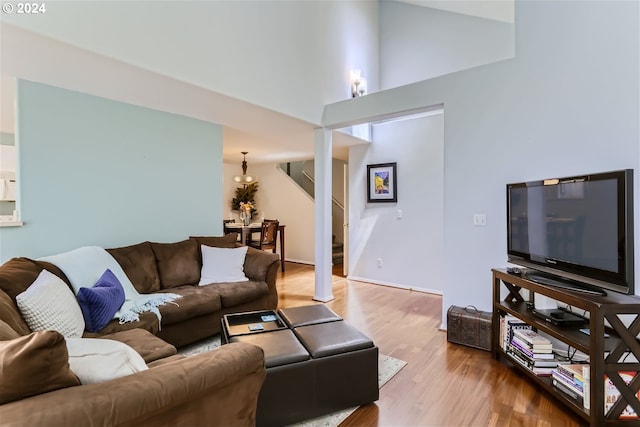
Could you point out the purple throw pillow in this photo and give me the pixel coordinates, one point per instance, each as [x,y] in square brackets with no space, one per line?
[100,302]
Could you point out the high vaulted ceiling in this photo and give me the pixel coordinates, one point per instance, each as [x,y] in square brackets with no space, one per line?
[262,69]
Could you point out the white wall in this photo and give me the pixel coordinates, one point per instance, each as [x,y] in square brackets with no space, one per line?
[268,53]
[418,43]
[337,192]
[97,172]
[568,103]
[411,248]
[280,198]
[501,10]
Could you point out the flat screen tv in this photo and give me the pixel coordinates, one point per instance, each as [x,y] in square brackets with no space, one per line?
[574,232]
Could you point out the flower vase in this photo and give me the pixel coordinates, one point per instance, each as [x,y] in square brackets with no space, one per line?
[246,218]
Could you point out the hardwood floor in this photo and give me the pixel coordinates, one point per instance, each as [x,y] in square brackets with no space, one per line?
[443,384]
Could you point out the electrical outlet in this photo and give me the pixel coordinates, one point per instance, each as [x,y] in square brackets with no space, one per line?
[379,262]
[479,219]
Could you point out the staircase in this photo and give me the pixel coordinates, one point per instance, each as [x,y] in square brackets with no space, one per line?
[301,173]
[337,253]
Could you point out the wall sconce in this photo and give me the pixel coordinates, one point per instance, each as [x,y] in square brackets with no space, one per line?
[244,179]
[358,84]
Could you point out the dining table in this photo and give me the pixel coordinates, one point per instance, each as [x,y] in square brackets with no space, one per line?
[245,232]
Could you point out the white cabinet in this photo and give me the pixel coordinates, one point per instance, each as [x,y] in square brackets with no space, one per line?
[8,209]
[7,173]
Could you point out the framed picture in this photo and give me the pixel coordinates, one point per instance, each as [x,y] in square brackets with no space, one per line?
[382,183]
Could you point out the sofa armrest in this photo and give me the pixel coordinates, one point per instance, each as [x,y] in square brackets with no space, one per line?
[263,266]
[257,264]
[216,388]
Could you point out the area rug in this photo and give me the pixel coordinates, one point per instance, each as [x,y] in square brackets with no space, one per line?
[388,367]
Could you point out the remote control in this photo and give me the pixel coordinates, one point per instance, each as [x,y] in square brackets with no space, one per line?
[514,270]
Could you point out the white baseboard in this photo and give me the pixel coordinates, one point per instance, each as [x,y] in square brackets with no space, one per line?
[394,285]
[299,261]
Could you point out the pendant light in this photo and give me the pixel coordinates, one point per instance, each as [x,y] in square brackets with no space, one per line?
[244,179]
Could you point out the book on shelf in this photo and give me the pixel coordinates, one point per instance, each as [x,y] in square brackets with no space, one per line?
[573,379]
[532,337]
[508,324]
[612,394]
[573,371]
[541,371]
[542,363]
[566,389]
[533,352]
[531,361]
[569,382]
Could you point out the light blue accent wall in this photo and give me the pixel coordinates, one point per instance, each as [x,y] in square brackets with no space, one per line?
[98,172]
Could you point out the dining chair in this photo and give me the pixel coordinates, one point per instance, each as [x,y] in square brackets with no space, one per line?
[255,234]
[226,230]
[268,234]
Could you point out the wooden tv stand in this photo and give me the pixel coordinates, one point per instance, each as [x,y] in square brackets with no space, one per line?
[511,295]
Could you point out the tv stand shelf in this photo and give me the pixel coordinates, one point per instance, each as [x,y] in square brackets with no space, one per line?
[616,314]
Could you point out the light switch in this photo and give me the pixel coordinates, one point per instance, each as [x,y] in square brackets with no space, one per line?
[399,214]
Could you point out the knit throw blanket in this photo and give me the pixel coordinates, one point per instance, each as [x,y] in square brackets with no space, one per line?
[84,266]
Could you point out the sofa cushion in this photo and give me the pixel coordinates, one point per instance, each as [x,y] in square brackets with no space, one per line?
[148,321]
[7,332]
[178,263]
[196,301]
[97,360]
[49,304]
[162,362]
[100,302]
[232,294]
[147,345]
[220,265]
[139,264]
[226,241]
[34,364]
[17,274]
[10,314]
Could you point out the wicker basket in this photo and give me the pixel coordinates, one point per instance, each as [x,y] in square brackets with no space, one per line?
[469,326]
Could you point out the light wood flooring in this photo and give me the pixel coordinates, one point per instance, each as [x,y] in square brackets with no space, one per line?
[443,384]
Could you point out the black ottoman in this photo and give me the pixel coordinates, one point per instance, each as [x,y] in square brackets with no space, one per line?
[345,365]
[307,315]
[316,365]
[287,395]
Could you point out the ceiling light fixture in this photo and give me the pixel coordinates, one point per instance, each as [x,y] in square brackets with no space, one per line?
[358,84]
[244,179]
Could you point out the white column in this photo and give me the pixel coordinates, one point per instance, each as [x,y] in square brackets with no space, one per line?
[322,172]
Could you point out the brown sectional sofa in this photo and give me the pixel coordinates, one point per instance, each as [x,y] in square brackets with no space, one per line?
[215,388]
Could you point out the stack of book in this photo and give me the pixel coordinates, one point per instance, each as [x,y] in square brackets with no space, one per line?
[508,324]
[570,379]
[533,351]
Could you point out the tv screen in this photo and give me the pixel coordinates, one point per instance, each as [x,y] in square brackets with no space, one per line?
[577,228]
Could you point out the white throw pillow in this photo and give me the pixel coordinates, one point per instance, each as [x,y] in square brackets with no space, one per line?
[48,304]
[95,360]
[220,265]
